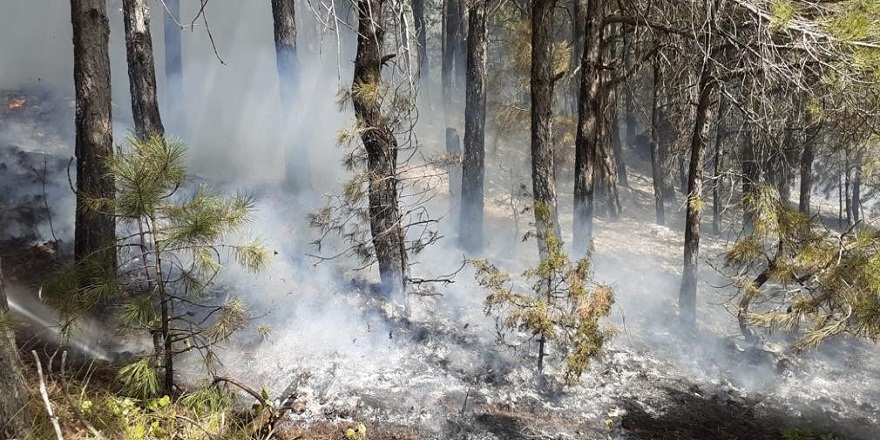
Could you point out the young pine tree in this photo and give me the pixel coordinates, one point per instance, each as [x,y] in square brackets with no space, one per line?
[562,309]
[173,244]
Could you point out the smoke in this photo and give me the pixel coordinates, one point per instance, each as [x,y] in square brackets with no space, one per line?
[325,318]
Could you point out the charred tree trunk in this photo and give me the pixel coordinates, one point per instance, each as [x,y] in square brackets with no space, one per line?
[543,167]
[687,296]
[473,168]
[657,159]
[298,173]
[173,68]
[15,420]
[95,236]
[589,114]
[381,147]
[141,69]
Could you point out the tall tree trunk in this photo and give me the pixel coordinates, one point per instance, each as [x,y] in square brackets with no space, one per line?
[381,147]
[473,168]
[141,69]
[616,141]
[717,164]
[418,8]
[543,168]
[687,296]
[608,157]
[578,26]
[628,98]
[298,173]
[589,120]
[453,150]
[751,173]
[15,419]
[811,135]
[95,236]
[806,165]
[452,33]
[856,205]
[657,159]
[174,98]
[460,51]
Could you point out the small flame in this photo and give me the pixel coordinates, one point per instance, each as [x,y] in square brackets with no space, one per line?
[17,103]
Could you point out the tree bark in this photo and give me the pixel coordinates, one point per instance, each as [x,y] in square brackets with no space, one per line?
[589,117]
[687,296]
[174,98]
[657,156]
[298,172]
[381,147]
[141,69]
[15,419]
[473,168]
[543,167]
[95,236]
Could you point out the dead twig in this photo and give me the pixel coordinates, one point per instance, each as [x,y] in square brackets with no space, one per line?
[45,393]
[76,411]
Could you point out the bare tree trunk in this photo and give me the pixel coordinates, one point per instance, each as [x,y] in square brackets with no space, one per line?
[473,168]
[141,69]
[687,296]
[657,159]
[95,236]
[543,168]
[15,420]
[589,118]
[174,98]
[298,173]
[381,147]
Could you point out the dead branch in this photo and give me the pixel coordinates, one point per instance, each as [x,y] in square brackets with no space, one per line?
[45,393]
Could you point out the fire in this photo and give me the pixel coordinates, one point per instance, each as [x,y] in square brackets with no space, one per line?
[17,103]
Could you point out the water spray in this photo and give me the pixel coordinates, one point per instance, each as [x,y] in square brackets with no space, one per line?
[54,328]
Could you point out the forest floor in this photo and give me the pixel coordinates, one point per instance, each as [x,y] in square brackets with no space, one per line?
[438,373]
